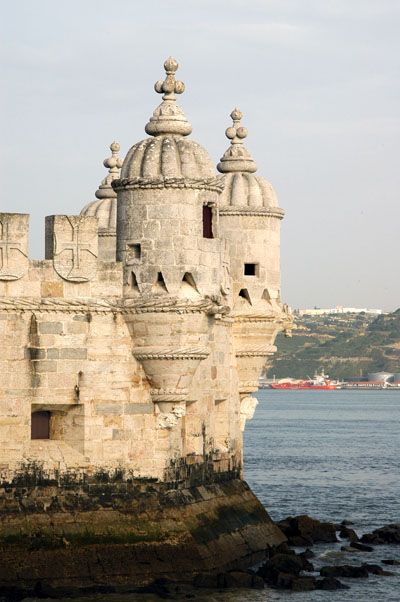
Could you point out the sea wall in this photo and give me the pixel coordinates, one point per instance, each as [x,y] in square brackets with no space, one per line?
[74,531]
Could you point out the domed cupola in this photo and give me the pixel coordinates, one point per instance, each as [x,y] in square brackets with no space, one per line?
[168,154]
[242,187]
[105,206]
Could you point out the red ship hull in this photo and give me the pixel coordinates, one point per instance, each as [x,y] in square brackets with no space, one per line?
[301,386]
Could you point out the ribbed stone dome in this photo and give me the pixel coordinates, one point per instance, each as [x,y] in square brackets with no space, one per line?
[244,189]
[106,212]
[167,156]
[168,153]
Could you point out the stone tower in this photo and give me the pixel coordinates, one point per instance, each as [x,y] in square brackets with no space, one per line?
[130,358]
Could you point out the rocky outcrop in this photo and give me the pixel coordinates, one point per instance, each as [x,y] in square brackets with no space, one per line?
[303,530]
[386,534]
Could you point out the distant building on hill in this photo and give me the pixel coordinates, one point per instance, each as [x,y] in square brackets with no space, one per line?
[317,311]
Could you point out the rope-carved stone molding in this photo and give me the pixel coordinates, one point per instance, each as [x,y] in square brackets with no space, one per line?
[209,306]
[245,385]
[168,395]
[107,232]
[171,354]
[247,211]
[261,352]
[276,317]
[212,184]
[57,305]
[169,305]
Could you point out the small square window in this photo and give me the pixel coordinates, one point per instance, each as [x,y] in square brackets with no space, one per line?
[250,269]
[133,252]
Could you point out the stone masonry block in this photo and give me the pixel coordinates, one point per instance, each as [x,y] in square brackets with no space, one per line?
[139,408]
[51,328]
[73,354]
[109,408]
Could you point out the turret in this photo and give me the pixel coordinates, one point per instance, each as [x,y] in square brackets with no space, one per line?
[166,240]
[105,206]
[250,222]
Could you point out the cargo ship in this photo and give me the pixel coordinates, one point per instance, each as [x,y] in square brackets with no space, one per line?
[319,382]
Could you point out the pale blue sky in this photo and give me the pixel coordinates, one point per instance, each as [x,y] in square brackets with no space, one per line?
[317,81]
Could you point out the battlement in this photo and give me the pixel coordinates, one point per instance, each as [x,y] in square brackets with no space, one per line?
[71,268]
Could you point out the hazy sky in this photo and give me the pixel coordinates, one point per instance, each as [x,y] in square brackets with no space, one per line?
[317,81]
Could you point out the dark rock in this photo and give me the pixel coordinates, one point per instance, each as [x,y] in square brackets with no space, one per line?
[307,554]
[304,584]
[304,530]
[346,523]
[286,563]
[346,549]
[350,534]
[243,579]
[283,548]
[371,538]
[391,562]
[299,541]
[344,570]
[375,569]
[330,584]
[208,581]
[232,579]
[386,534]
[284,580]
[361,546]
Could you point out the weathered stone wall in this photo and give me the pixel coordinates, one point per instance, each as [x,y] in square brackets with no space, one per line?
[76,532]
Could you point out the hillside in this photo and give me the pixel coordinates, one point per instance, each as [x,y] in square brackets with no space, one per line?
[343,346]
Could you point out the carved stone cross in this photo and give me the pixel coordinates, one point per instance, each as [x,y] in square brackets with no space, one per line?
[74,246]
[13,245]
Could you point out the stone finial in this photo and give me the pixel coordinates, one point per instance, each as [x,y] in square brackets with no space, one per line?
[168,118]
[170,86]
[114,164]
[236,157]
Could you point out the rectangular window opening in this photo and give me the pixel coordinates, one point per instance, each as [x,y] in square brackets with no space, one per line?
[250,269]
[40,425]
[207,222]
[134,251]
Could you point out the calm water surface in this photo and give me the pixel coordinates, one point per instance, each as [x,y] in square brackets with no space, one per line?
[333,455]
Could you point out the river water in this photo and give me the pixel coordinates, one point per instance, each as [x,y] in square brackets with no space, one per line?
[333,455]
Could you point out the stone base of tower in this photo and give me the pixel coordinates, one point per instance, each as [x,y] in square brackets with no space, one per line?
[127,534]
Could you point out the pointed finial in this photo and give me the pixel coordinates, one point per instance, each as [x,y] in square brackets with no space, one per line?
[168,118]
[114,164]
[236,157]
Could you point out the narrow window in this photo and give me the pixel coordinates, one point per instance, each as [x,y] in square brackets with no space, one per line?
[207,222]
[40,425]
[134,283]
[244,293]
[188,278]
[250,269]
[160,284]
